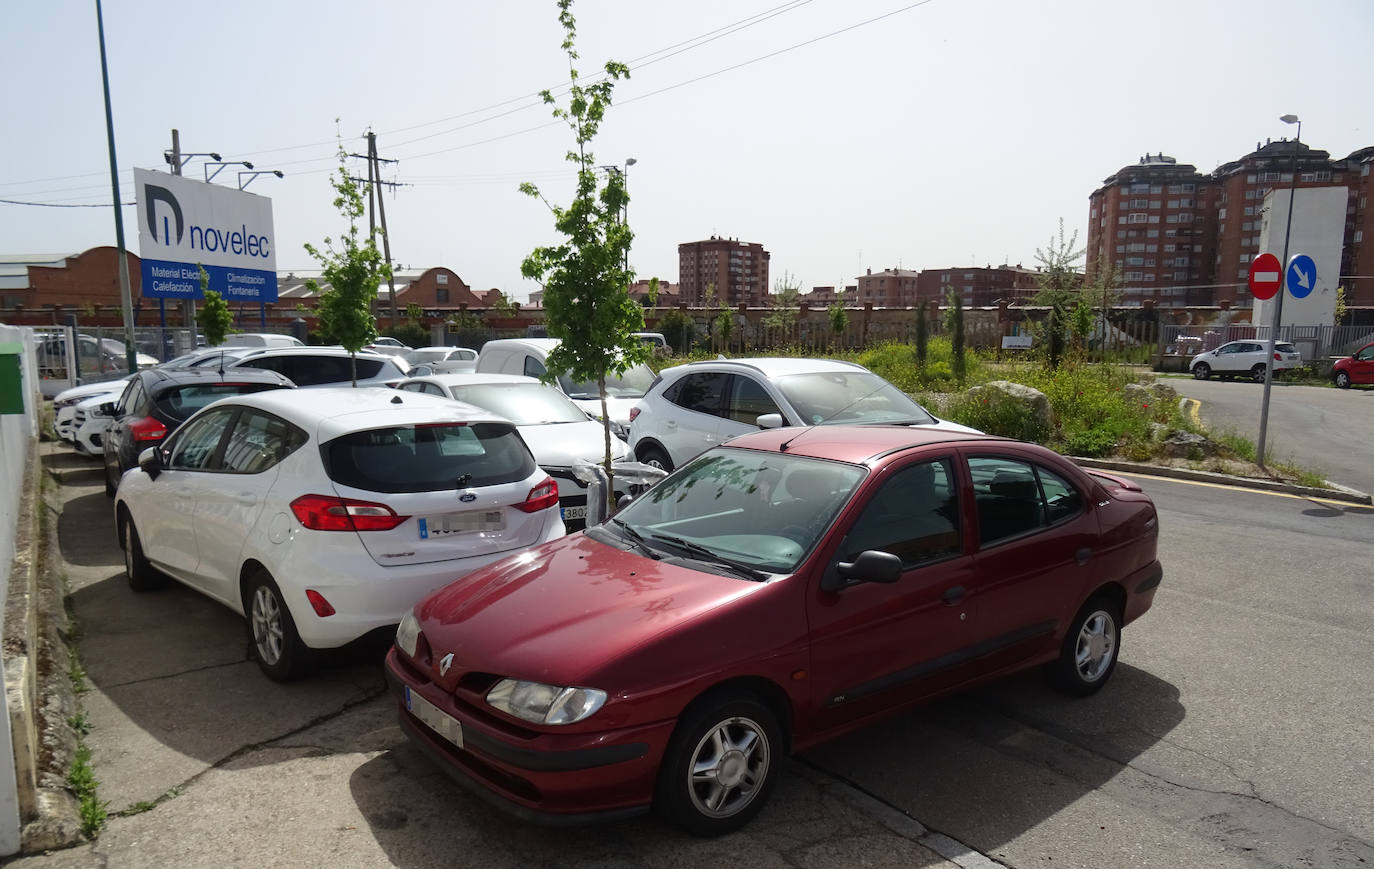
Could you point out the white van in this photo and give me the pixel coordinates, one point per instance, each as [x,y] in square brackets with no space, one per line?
[261,339]
[527,356]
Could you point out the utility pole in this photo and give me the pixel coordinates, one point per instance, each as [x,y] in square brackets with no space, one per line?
[377,207]
[188,307]
[125,293]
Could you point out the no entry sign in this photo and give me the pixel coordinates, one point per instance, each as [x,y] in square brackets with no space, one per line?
[1265,276]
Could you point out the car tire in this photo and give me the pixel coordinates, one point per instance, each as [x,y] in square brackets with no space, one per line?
[1091,649]
[1202,371]
[140,572]
[272,636]
[1257,373]
[720,765]
[1342,379]
[111,484]
[655,458]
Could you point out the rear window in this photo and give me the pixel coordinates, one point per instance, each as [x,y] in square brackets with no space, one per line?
[428,458]
[1285,347]
[182,401]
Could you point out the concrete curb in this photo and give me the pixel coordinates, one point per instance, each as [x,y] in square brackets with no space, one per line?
[1337,492]
[39,693]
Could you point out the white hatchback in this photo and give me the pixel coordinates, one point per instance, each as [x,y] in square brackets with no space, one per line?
[1244,359]
[325,514]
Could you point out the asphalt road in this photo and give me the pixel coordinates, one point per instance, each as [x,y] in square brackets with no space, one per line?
[1238,731]
[1316,427]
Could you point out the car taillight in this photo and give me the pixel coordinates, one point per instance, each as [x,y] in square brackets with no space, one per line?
[1278,358]
[330,513]
[541,497]
[323,608]
[634,412]
[147,429]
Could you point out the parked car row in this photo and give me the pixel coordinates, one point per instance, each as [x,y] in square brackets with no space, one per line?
[824,554]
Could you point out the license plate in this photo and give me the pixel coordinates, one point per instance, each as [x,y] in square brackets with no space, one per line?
[434,718]
[461,523]
[574,513]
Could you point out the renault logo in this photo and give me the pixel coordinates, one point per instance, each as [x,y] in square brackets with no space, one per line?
[444,663]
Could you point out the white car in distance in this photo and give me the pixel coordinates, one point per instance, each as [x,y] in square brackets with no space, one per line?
[557,430]
[322,515]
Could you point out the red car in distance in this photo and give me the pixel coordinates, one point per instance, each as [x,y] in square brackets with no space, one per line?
[778,591]
[1356,368]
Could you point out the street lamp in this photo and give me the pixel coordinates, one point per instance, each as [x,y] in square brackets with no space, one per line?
[625,218]
[252,175]
[1283,285]
[178,161]
[210,176]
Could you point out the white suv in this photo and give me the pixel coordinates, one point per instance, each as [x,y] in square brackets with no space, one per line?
[326,366]
[691,408]
[1244,358]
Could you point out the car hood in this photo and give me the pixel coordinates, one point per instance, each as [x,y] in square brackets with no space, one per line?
[561,612]
[559,445]
[618,408]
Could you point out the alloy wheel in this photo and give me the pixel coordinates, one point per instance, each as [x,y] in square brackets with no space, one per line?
[729,765]
[267,625]
[1096,646]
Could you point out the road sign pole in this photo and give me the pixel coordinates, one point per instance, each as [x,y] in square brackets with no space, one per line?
[1278,299]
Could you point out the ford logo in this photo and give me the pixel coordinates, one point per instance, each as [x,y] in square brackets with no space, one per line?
[467,497]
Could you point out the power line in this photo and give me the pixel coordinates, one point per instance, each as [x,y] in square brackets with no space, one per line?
[62,204]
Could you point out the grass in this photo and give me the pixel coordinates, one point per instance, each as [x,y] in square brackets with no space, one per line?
[81,779]
[79,723]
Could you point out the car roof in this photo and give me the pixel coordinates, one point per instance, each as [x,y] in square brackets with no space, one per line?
[474,378]
[159,378]
[545,344]
[329,350]
[331,411]
[770,366]
[856,444]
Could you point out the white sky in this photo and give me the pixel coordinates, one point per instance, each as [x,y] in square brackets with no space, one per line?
[954,132]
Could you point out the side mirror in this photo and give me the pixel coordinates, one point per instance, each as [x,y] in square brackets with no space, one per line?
[150,460]
[870,566]
[107,409]
[770,420]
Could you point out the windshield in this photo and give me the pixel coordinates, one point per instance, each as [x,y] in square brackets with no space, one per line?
[419,357]
[762,510]
[521,403]
[850,397]
[632,384]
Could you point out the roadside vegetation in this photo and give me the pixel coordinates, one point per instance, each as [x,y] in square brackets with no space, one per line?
[1098,410]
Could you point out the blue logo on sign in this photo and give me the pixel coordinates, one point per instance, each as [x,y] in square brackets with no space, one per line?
[1301,276]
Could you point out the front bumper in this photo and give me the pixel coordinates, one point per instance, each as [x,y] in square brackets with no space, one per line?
[558,779]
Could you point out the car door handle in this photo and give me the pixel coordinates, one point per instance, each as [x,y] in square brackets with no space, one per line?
[953,595]
[1083,555]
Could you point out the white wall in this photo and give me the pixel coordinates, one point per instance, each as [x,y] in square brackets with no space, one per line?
[16,430]
[1319,232]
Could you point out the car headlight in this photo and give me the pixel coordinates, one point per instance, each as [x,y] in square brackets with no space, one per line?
[545,704]
[408,633]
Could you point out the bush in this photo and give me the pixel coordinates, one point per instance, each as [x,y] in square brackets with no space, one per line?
[409,334]
[896,362]
[999,414]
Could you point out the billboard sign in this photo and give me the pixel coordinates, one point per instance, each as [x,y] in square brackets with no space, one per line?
[182,223]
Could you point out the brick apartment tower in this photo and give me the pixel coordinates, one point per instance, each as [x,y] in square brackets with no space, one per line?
[738,271]
[1185,238]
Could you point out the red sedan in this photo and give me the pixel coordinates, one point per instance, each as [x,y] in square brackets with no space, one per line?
[1356,368]
[774,593]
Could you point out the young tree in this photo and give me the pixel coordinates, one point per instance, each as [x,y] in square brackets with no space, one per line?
[353,270]
[922,335]
[214,318]
[1060,286]
[839,319]
[586,283]
[956,334]
[725,327]
[677,327]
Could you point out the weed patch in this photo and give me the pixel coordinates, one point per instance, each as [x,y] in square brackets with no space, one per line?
[81,779]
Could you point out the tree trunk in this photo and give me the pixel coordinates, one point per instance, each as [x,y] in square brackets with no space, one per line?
[606,430]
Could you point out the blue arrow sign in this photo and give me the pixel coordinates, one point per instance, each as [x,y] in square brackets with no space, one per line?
[1301,275]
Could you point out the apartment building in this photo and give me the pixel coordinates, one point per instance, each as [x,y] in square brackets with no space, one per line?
[736,271]
[977,287]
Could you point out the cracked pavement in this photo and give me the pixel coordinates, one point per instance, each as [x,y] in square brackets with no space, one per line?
[1220,741]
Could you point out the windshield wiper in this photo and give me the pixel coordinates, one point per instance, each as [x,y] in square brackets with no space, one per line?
[638,540]
[704,554]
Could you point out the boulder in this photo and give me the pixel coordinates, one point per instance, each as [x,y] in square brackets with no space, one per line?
[1036,400]
[1186,445]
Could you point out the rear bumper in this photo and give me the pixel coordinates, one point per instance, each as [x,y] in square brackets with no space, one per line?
[551,779]
[1140,590]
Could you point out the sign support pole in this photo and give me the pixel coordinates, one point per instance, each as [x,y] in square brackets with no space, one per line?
[1278,299]
[126,299]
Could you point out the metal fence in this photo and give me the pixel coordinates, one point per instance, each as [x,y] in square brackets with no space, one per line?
[1313,342]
